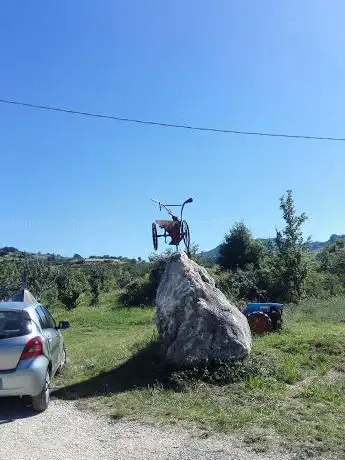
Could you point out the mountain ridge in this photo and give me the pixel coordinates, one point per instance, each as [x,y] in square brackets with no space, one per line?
[314,246]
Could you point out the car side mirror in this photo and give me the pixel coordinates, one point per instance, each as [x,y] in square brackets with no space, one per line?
[63,325]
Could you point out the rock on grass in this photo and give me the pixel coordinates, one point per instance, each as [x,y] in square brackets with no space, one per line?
[195,321]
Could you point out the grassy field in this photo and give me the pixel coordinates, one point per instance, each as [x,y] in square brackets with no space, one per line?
[290,392]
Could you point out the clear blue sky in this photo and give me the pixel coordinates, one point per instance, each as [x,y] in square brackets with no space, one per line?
[72,184]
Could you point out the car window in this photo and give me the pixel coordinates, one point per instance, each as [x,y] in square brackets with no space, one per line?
[42,317]
[14,324]
[50,320]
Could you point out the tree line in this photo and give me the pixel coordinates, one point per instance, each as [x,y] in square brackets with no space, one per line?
[66,285]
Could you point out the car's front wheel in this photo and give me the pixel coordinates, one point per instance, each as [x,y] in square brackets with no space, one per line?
[41,401]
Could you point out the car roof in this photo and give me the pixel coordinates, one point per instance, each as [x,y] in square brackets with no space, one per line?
[21,300]
[17,305]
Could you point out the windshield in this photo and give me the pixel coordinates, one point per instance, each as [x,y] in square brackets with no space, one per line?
[14,324]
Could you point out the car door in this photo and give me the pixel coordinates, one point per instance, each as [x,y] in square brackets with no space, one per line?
[52,334]
[57,339]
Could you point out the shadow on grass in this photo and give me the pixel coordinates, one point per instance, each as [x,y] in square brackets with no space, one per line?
[147,368]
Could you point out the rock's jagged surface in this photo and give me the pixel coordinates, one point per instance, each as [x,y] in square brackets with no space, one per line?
[195,321]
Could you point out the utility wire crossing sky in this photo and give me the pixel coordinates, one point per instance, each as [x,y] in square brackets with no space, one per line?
[170,125]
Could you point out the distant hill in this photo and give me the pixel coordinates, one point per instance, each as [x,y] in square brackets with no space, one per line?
[314,246]
[9,252]
[320,245]
[212,254]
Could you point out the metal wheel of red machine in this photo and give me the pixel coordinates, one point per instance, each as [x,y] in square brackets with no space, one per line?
[259,322]
[154,236]
[185,234]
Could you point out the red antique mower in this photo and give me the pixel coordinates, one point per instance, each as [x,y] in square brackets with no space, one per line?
[177,228]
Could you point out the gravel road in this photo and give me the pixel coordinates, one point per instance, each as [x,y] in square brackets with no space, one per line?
[65,432]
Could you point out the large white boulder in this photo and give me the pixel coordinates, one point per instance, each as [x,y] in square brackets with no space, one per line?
[196,322]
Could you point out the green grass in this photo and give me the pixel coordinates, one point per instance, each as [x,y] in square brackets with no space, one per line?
[291,391]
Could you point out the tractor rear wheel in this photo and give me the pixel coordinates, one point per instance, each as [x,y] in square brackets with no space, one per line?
[259,322]
[154,236]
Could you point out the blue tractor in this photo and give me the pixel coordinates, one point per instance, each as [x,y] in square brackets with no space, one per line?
[264,317]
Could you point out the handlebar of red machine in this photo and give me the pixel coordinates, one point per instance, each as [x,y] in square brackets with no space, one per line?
[165,206]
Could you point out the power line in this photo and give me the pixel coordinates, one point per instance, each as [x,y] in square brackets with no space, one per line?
[171,125]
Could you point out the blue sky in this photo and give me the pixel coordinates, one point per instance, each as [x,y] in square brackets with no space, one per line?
[73,184]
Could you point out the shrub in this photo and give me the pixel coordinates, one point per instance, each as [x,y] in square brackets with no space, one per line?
[137,293]
[142,290]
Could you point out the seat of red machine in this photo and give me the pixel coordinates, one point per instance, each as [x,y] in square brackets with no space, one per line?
[167,223]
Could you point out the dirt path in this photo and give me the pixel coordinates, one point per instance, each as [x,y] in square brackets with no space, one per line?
[65,432]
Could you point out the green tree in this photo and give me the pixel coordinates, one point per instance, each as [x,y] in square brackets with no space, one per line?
[142,289]
[96,279]
[292,261]
[239,249]
[10,278]
[39,275]
[70,285]
[332,258]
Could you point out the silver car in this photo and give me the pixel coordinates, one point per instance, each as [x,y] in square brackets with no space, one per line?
[32,351]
